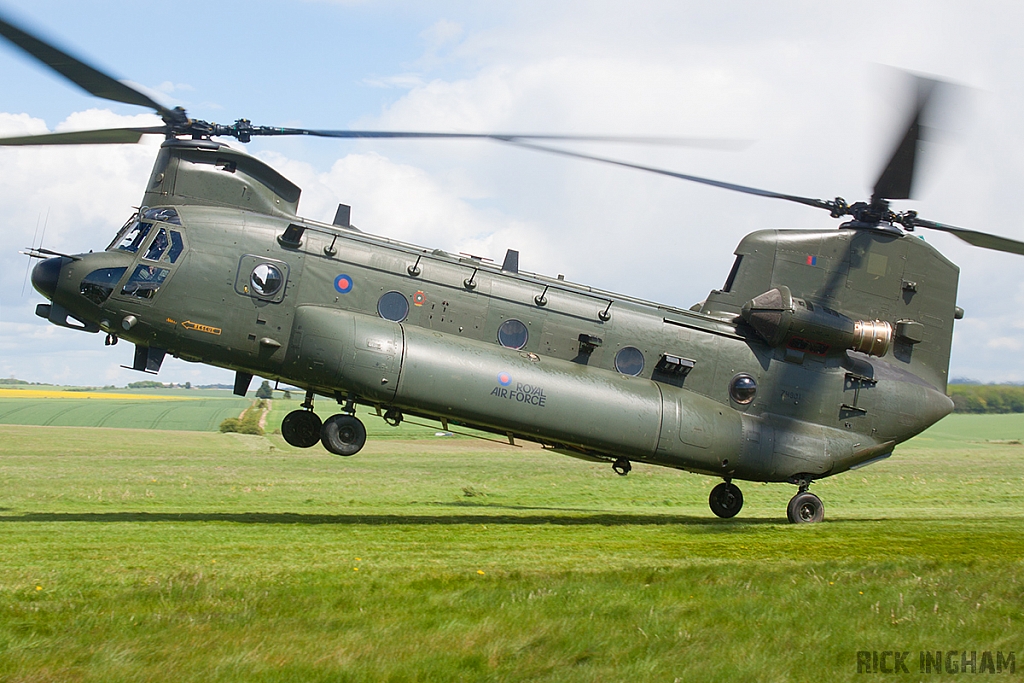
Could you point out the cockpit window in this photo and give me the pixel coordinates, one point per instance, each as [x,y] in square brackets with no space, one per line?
[97,285]
[145,282]
[163,215]
[157,248]
[177,246]
[134,236]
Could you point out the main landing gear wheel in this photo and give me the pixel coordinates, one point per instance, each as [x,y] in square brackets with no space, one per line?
[343,434]
[622,467]
[301,428]
[725,500]
[804,508]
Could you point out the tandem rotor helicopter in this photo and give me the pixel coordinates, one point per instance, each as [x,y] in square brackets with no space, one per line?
[823,350]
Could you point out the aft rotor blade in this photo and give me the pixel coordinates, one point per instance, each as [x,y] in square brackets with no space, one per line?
[708,143]
[88,78]
[109,136]
[896,180]
[818,203]
[978,239]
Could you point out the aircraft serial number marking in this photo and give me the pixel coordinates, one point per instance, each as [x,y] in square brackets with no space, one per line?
[198,327]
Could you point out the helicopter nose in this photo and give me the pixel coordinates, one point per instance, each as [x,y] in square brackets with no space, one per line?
[45,276]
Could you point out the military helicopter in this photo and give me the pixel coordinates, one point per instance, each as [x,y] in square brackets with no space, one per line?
[823,350]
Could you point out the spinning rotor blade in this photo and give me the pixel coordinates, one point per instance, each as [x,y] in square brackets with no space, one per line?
[109,136]
[837,207]
[88,78]
[819,203]
[244,131]
[513,137]
[978,239]
[897,178]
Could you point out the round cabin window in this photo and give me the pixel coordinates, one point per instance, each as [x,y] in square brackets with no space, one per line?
[629,361]
[742,389]
[393,306]
[266,279]
[513,334]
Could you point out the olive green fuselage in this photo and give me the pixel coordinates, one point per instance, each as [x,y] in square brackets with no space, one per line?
[570,385]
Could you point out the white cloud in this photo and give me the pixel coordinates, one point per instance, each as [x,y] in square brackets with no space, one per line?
[399,201]
[13,125]
[405,81]
[104,118]
[438,40]
[441,33]
[78,187]
[169,87]
[1005,344]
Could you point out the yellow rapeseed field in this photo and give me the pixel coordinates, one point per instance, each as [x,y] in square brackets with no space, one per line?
[57,393]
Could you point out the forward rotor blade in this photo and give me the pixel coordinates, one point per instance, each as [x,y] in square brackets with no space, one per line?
[818,203]
[978,239]
[109,136]
[88,78]
[707,143]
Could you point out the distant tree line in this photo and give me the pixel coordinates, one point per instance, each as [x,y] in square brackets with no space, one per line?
[986,398]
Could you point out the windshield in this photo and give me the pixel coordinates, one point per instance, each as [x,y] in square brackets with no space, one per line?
[133,233]
[163,215]
[134,236]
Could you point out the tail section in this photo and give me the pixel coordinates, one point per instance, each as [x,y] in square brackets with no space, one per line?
[862,275]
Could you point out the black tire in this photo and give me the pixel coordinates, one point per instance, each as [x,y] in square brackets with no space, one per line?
[343,434]
[726,500]
[805,508]
[301,428]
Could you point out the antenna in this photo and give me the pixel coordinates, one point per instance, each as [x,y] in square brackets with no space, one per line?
[36,233]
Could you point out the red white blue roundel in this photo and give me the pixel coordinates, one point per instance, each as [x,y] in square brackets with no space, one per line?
[504,379]
[343,283]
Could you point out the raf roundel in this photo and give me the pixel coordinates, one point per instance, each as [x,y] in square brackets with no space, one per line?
[343,283]
[504,379]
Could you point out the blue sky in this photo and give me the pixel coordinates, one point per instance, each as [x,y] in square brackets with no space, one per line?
[799,79]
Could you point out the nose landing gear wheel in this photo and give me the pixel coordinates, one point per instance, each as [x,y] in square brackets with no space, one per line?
[301,428]
[343,434]
[725,500]
[805,508]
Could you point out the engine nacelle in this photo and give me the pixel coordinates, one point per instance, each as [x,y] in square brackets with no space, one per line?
[784,320]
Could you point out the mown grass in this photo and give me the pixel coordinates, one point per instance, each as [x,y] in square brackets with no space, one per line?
[134,555]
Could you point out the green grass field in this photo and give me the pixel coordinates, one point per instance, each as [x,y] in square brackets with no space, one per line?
[132,555]
[165,409]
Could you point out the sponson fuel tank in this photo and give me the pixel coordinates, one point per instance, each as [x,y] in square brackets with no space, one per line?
[553,401]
